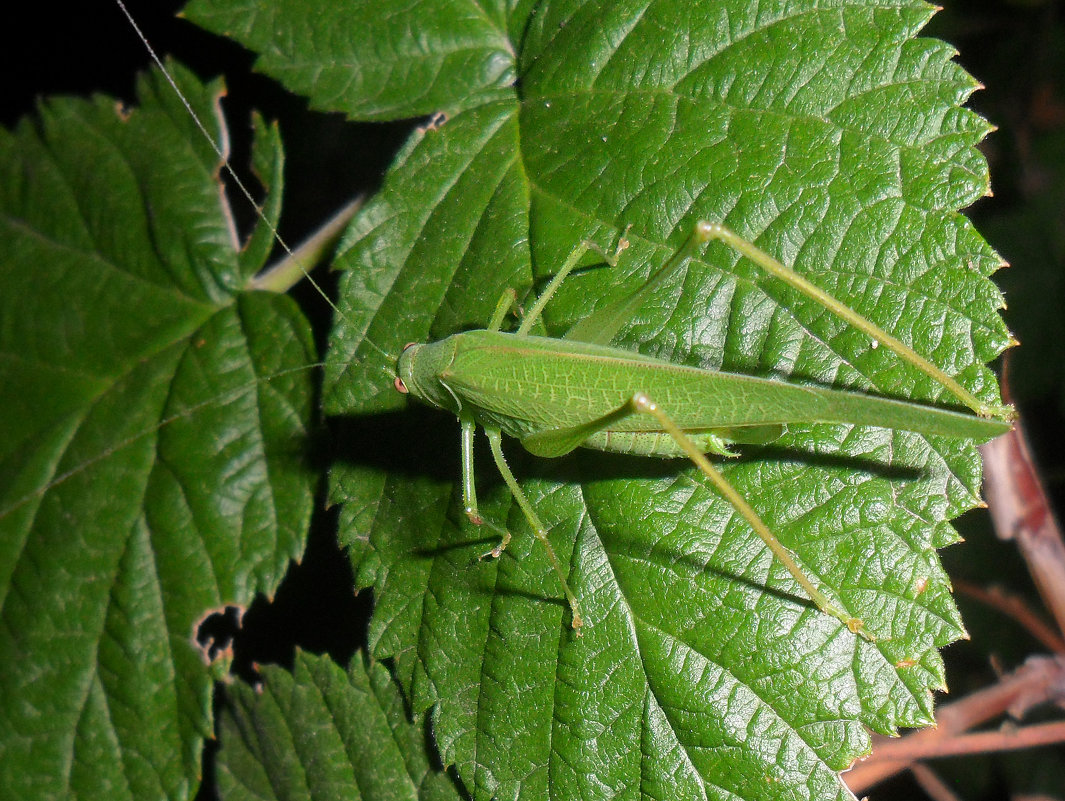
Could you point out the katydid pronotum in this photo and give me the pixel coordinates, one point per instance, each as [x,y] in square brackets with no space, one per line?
[523,385]
[555,395]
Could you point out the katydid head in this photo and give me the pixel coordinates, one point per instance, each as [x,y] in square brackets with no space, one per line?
[419,373]
[404,365]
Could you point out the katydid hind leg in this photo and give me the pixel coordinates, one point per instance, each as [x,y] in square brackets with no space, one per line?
[506,302]
[706,232]
[558,442]
[567,267]
[643,404]
[601,326]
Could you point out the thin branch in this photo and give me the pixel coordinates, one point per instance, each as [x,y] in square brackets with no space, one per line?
[1040,680]
[934,787]
[1021,512]
[1008,738]
[1017,608]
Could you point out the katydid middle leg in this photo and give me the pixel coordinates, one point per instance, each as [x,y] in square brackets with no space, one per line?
[469,498]
[494,443]
[567,267]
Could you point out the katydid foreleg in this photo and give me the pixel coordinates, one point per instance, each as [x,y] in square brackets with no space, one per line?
[507,302]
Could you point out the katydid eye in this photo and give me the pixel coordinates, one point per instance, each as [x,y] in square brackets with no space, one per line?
[400,386]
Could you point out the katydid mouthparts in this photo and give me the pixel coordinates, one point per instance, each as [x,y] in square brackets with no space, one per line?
[554,395]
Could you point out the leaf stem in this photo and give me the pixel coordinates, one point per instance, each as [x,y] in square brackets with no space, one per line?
[289,271]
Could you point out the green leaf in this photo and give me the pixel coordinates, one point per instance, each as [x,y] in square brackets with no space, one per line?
[323,733]
[151,447]
[832,137]
[393,59]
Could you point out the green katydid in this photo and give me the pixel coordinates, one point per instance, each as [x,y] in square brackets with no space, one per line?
[644,406]
[555,395]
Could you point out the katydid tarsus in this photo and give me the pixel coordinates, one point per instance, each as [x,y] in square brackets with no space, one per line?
[557,394]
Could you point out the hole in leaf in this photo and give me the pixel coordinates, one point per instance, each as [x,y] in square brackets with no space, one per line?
[216,631]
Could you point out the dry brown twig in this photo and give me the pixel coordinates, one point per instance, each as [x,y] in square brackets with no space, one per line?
[1017,608]
[934,787]
[1038,681]
[1020,512]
